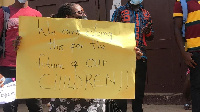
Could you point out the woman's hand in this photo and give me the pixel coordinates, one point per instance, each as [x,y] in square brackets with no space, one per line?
[16,43]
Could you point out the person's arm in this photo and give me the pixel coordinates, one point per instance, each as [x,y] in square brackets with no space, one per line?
[178,22]
[16,42]
[148,29]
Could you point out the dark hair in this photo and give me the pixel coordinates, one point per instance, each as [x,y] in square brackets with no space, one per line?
[65,9]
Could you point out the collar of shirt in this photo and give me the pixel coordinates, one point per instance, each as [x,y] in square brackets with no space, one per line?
[129,6]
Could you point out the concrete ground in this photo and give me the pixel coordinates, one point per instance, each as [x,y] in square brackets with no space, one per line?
[147,108]
[164,108]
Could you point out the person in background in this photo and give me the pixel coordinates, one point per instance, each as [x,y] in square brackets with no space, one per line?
[8,62]
[192,55]
[133,12]
[72,10]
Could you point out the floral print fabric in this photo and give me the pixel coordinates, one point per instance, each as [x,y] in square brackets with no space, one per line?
[77,105]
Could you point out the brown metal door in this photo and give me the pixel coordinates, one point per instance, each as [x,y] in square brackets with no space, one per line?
[165,66]
[48,7]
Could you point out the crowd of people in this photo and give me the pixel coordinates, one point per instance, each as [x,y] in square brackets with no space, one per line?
[131,12]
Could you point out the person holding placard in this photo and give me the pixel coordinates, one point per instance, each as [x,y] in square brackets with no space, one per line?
[72,10]
[133,12]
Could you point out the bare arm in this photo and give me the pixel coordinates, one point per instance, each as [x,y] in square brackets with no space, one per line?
[178,35]
[179,39]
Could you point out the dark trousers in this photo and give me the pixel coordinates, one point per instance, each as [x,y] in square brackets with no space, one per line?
[34,105]
[140,78]
[195,83]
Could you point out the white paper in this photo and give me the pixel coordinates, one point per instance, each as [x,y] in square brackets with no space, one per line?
[8,93]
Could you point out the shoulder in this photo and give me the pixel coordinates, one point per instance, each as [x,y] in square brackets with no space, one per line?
[177,3]
[37,13]
[121,8]
[177,9]
[3,7]
[1,12]
[146,12]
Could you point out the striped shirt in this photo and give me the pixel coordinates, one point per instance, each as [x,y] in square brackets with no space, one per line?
[192,32]
[141,18]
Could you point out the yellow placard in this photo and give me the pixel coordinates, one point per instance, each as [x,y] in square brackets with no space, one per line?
[73,58]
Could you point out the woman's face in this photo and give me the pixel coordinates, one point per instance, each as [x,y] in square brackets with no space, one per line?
[78,12]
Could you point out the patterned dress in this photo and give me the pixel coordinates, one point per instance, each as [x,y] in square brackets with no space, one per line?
[77,105]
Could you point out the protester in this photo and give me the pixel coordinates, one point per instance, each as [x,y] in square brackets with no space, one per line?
[8,61]
[72,10]
[191,56]
[133,12]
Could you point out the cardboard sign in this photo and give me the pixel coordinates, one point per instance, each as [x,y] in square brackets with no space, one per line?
[73,58]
